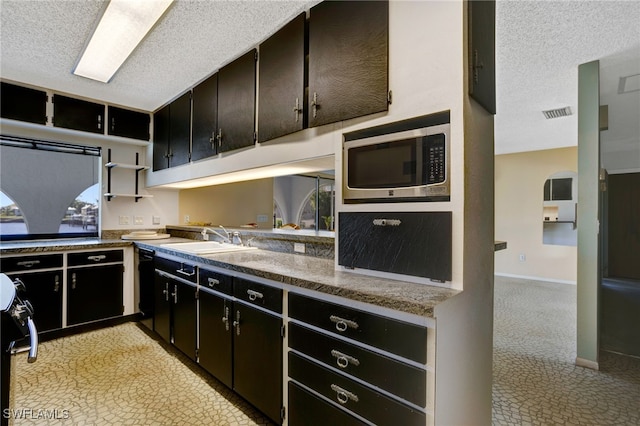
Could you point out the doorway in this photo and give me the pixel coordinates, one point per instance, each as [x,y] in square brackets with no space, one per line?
[620,289]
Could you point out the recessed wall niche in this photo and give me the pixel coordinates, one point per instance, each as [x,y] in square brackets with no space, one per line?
[559,209]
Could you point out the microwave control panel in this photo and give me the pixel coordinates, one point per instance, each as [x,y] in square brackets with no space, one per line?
[436,159]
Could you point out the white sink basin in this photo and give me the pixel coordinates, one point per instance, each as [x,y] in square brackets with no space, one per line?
[206,247]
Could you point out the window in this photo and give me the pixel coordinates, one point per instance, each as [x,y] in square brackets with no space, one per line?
[48,189]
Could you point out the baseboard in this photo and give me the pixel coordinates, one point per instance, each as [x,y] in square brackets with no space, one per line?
[526,277]
[587,363]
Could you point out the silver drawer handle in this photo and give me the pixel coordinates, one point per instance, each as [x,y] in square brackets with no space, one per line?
[253,295]
[28,263]
[213,281]
[387,222]
[343,360]
[188,274]
[97,258]
[342,324]
[343,396]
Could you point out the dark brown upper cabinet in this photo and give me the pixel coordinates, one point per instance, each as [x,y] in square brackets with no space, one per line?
[172,133]
[128,124]
[348,60]
[76,114]
[180,130]
[281,91]
[482,53]
[205,119]
[23,103]
[237,103]
[161,124]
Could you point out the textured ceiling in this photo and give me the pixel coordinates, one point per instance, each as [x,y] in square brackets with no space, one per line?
[539,46]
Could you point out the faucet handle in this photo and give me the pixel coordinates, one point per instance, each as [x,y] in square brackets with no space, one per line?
[237,239]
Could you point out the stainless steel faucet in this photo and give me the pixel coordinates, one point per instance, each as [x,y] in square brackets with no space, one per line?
[234,237]
[205,236]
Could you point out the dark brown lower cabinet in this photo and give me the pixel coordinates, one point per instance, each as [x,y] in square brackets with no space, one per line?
[185,318]
[257,359]
[310,410]
[175,313]
[94,293]
[162,307]
[215,353]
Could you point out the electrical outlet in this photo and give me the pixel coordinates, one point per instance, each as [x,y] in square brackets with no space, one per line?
[522,257]
[155,220]
[138,220]
[299,247]
[186,218]
[123,220]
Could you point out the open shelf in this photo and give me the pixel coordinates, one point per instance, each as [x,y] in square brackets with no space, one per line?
[137,167]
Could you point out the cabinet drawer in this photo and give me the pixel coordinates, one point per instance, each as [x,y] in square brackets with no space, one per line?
[186,271]
[26,263]
[216,281]
[309,410]
[403,380]
[258,294]
[409,243]
[94,257]
[401,338]
[353,396]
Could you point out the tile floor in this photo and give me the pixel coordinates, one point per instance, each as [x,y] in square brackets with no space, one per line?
[120,375]
[535,380]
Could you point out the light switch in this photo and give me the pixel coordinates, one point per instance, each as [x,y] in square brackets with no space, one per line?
[138,220]
[123,220]
[156,220]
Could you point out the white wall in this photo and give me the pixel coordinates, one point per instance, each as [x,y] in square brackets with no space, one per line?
[519,183]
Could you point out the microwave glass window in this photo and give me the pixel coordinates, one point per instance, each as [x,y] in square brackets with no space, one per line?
[387,165]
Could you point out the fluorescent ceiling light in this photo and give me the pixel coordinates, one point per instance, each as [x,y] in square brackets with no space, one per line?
[121,28]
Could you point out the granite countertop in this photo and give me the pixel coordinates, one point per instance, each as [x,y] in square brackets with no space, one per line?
[296,270]
[320,275]
[43,246]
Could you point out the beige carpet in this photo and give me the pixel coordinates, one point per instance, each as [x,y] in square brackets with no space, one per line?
[119,376]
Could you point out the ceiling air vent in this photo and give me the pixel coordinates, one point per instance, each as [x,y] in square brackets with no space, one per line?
[556,113]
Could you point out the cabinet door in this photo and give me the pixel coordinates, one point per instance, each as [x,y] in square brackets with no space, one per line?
[281,100]
[215,352]
[257,359]
[205,119]
[24,104]
[162,307]
[94,293]
[348,60]
[128,124]
[482,72]
[184,318]
[180,130]
[44,292]
[77,114]
[237,103]
[161,138]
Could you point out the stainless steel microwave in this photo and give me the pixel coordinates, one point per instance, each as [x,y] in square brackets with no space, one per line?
[412,165]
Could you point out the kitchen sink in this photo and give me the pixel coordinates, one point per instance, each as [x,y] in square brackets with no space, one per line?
[206,247]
